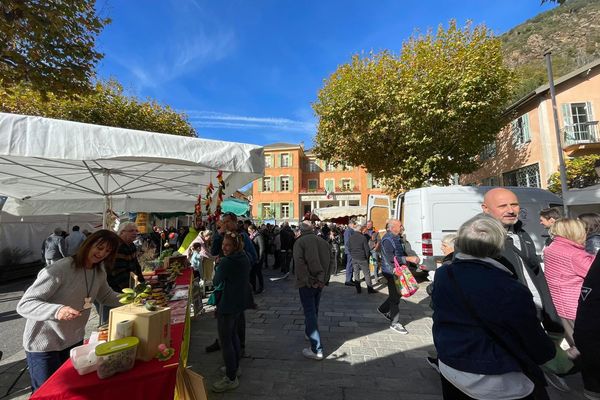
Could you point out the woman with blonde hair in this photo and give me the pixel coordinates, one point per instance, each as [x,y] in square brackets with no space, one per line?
[566,263]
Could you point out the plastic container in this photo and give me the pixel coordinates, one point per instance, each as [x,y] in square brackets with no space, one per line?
[84,358]
[116,356]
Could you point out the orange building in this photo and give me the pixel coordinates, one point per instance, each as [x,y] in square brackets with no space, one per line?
[296,182]
[525,152]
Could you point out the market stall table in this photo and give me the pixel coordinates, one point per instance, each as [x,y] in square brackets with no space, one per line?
[147,380]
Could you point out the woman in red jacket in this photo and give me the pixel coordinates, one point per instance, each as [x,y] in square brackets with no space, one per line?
[566,263]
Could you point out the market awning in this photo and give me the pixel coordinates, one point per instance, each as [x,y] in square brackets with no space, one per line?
[328,213]
[238,207]
[50,166]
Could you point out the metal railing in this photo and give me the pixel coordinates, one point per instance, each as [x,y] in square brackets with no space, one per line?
[586,132]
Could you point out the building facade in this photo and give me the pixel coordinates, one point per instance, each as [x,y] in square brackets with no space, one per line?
[525,153]
[296,182]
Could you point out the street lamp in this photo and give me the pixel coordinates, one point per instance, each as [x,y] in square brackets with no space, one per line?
[561,162]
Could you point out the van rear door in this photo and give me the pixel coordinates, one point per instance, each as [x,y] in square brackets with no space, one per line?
[378,210]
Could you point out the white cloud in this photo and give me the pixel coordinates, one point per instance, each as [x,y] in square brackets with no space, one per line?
[170,51]
[210,119]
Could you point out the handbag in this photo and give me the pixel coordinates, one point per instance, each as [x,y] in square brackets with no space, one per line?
[216,295]
[405,282]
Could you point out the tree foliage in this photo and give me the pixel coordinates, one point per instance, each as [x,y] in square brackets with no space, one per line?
[49,44]
[418,117]
[105,104]
[580,173]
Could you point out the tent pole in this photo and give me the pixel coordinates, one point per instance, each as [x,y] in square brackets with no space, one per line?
[106,201]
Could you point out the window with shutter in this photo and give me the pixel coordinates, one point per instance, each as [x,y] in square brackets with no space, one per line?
[329,185]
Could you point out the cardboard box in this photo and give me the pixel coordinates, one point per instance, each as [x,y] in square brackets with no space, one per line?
[151,327]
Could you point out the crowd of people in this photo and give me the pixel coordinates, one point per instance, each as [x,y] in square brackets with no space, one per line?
[500,311]
[499,317]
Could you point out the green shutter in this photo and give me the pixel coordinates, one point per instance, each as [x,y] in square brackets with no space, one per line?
[276,186]
[260,211]
[566,113]
[276,159]
[329,185]
[351,185]
[526,134]
[369,181]
[259,183]
[588,110]
[291,209]
[291,183]
[277,210]
[290,160]
[513,131]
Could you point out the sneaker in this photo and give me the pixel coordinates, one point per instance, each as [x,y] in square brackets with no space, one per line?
[556,381]
[225,384]
[398,327]
[370,290]
[433,363]
[213,347]
[350,283]
[385,315]
[308,353]
[223,370]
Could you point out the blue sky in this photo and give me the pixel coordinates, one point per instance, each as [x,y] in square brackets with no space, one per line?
[248,71]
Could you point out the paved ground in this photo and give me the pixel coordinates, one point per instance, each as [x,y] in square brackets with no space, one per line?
[365,359]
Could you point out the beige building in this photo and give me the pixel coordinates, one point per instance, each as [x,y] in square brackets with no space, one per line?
[296,182]
[525,152]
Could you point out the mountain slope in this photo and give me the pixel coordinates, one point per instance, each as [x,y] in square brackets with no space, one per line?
[571,31]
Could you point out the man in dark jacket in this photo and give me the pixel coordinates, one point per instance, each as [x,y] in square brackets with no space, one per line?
[587,331]
[313,260]
[358,248]
[520,257]
[287,238]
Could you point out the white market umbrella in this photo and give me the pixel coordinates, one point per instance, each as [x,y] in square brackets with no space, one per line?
[50,166]
[334,212]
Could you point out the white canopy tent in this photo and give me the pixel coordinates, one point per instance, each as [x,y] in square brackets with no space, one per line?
[334,212]
[583,200]
[50,167]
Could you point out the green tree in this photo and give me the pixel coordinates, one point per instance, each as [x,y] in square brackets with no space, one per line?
[105,104]
[580,173]
[418,117]
[49,44]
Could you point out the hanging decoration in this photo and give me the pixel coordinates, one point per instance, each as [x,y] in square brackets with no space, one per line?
[220,193]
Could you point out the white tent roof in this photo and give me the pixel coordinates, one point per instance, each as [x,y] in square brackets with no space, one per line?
[333,212]
[584,196]
[50,166]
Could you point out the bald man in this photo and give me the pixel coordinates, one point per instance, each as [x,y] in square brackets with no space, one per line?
[520,257]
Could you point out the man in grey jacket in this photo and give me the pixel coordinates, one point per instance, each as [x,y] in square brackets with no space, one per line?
[54,247]
[358,248]
[313,261]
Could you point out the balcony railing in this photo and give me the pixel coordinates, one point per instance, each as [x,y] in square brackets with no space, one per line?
[581,133]
[312,190]
[337,189]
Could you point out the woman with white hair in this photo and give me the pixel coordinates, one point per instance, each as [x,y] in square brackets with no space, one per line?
[485,328]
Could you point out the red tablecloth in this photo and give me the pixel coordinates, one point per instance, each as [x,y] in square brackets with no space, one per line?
[146,381]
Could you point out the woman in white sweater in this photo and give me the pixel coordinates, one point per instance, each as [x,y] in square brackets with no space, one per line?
[57,305]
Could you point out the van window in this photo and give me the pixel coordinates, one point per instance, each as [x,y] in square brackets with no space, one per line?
[448,217]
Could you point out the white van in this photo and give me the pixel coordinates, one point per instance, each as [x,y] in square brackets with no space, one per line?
[430,213]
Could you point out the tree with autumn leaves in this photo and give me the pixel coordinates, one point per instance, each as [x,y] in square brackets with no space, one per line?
[48,68]
[420,116]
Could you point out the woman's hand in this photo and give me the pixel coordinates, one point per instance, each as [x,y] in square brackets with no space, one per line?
[67,313]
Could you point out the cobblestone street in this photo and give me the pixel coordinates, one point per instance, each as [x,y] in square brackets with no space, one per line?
[364,358]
